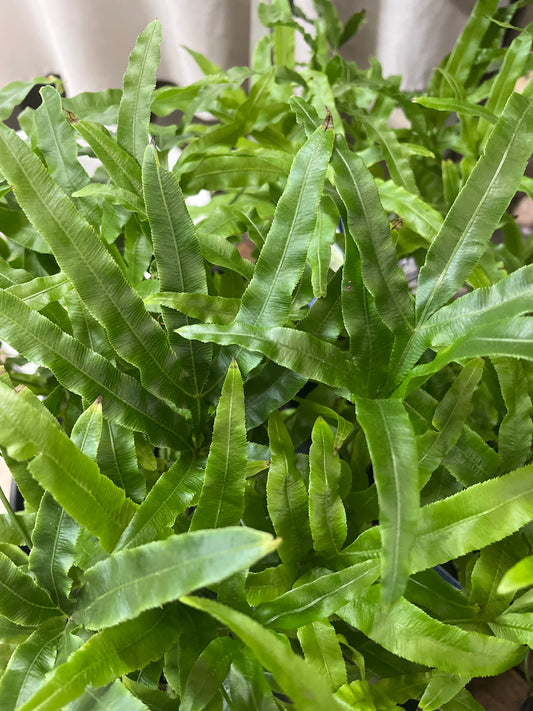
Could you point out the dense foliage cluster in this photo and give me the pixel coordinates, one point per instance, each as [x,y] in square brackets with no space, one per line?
[298,481]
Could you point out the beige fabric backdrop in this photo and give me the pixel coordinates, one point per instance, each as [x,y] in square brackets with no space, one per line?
[87,42]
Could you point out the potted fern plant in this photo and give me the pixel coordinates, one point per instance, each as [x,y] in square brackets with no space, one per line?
[296,481]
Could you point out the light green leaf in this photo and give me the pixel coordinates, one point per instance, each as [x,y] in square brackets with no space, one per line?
[322,650]
[517,577]
[296,678]
[392,447]
[173,492]
[459,62]
[414,212]
[15,92]
[489,569]
[57,143]
[86,372]
[122,168]
[286,494]
[131,581]
[410,633]
[327,516]
[222,497]
[478,208]
[464,107]
[473,518]
[99,106]
[441,688]
[41,291]
[139,83]
[117,459]
[72,478]
[204,307]
[31,661]
[319,254]
[114,697]
[54,540]
[115,651]
[115,195]
[318,599]
[21,600]
[266,301]
[90,268]
[393,152]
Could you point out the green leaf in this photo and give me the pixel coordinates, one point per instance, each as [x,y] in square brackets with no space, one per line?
[414,212]
[319,254]
[131,581]
[173,492]
[322,650]
[441,688]
[178,257]
[296,678]
[31,661]
[370,229]
[41,291]
[370,339]
[85,372]
[392,447]
[15,92]
[488,572]
[54,540]
[115,697]
[459,62]
[228,172]
[204,307]
[92,271]
[410,633]
[222,497]
[448,420]
[472,519]
[21,600]
[248,687]
[478,208]
[139,83]
[208,673]
[327,516]
[115,195]
[72,478]
[516,427]
[99,106]
[465,107]
[286,494]
[318,599]
[122,168]
[115,651]
[267,299]
[57,143]
[307,355]
[517,577]
[117,459]
[393,152]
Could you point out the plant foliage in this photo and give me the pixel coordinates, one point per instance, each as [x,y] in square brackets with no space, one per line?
[261,483]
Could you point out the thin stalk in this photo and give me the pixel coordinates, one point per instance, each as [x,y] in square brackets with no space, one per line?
[15,520]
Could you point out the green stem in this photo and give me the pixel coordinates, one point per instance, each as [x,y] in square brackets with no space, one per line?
[15,520]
